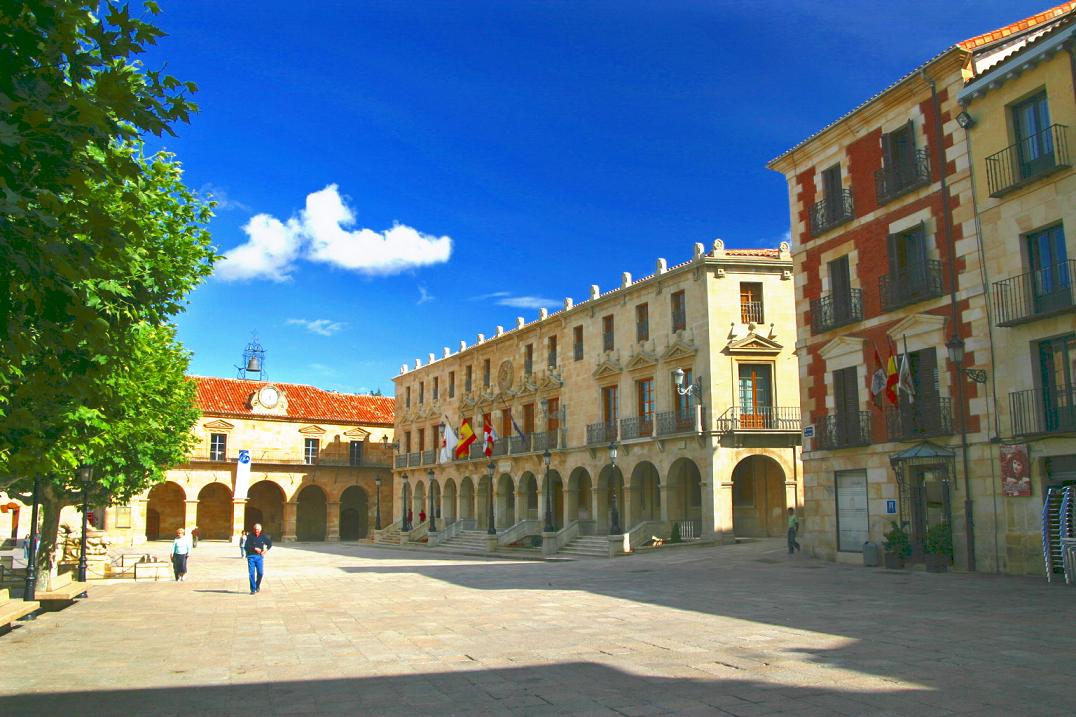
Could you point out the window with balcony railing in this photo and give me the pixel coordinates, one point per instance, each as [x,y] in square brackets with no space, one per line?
[902,176]
[833,210]
[843,430]
[751,303]
[924,417]
[1043,410]
[679,311]
[911,284]
[1040,148]
[1044,292]
[834,310]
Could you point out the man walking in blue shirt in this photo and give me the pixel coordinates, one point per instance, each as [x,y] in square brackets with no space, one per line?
[257,546]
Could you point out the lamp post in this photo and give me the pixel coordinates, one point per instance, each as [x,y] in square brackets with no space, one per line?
[694,390]
[433,523]
[549,527]
[405,505]
[614,517]
[491,529]
[85,475]
[31,565]
[377,510]
[955,347]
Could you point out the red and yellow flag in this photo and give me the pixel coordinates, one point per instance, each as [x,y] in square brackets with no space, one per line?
[466,438]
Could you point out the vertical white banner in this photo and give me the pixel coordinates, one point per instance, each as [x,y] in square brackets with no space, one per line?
[242,476]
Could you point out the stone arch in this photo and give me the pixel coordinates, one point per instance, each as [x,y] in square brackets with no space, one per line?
[528,508]
[354,513]
[265,505]
[418,503]
[214,519]
[580,500]
[451,513]
[685,497]
[505,509]
[310,514]
[610,477]
[467,499]
[758,498]
[645,499]
[555,484]
[165,512]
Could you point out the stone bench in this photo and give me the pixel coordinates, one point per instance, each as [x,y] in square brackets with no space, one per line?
[12,610]
[154,568]
[63,588]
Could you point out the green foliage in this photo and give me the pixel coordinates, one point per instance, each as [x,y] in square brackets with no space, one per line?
[675,538]
[939,540]
[897,541]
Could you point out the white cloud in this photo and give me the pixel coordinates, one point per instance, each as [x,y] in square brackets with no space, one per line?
[323,327]
[318,234]
[222,198]
[424,296]
[527,302]
[494,295]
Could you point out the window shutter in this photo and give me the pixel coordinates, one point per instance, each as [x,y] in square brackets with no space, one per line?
[887,150]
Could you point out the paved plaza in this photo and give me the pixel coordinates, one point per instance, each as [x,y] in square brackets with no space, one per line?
[734,630]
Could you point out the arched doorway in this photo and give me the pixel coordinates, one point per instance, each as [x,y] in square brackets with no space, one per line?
[165,511]
[310,514]
[467,507]
[505,514]
[354,514]
[419,505]
[265,505]
[528,486]
[449,507]
[215,512]
[579,500]
[645,495]
[685,498]
[609,477]
[758,498]
[556,485]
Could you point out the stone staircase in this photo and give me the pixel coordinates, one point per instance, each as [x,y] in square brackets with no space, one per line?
[587,546]
[390,536]
[467,541]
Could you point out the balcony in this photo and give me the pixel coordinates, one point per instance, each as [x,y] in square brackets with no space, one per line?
[925,417]
[1038,411]
[843,430]
[521,444]
[601,433]
[500,446]
[902,177]
[1032,157]
[1036,294]
[546,440]
[760,419]
[673,422]
[831,212]
[414,459]
[910,285]
[429,457]
[751,312]
[835,310]
[636,427]
[400,462]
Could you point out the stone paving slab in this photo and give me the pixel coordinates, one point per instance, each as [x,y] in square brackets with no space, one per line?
[738,630]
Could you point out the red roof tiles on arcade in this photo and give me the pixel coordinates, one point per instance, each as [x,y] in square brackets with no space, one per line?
[1017,27]
[231,397]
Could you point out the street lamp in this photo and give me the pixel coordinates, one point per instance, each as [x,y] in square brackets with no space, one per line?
[549,527]
[955,347]
[377,510]
[405,500]
[31,566]
[433,523]
[490,528]
[614,518]
[692,390]
[85,475]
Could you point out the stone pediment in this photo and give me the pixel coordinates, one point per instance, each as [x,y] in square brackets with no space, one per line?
[681,349]
[917,324]
[219,425]
[641,360]
[360,433]
[312,430]
[754,344]
[607,367]
[841,346]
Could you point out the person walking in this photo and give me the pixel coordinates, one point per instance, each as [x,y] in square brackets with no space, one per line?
[243,545]
[181,549]
[793,529]
[257,546]
[194,536]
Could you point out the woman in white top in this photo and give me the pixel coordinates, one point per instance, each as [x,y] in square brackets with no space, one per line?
[181,548]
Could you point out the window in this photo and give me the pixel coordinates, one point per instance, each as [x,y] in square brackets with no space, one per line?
[354,453]
[552,414]
[1034,142]
[1057,371]
[218,447]
[436,386]
[310,451]
[551,350]
[467,378]
[912,275]
[506,423]
[528,359]
[1051,273]
[421,440]
[903,167]
[756,395]
[485,373]
[607,333]
[679,311]
[846,424]
[644,398]
[922,414]
[407,442]
[831,186]
[528,418]
[852,526]
[610,404]
[421,391]
[451,384]
[407,397]
[840,286]
[751,303]
[577,343]
[642,322]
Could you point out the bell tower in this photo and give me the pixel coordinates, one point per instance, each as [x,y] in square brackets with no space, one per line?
[253,361]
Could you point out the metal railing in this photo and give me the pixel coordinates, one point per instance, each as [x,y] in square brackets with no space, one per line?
[671,422]
[1041,410]
[477,450]
[760,418]
[400,462]
[911,284]
[414,459]
[843,430]
[831,212]
[636,427]
[544,440]
[835,310]
[902,176]
[926,416]
[751,312]
[689,529]
[429,457]
[1028,159]
[500,446]
[1036,294]
[601,433]
[521,444]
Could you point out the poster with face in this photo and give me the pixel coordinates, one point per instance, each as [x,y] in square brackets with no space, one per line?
[1015,471]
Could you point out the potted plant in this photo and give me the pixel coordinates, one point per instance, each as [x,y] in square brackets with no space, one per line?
[897,546]
[938,546]
[675,538]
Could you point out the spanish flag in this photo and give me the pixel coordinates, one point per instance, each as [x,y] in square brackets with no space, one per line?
[466,438]
[892,377]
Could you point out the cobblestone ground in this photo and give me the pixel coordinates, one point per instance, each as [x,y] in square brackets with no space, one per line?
[733,630]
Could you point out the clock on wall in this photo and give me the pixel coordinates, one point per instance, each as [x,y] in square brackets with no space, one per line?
[269,396]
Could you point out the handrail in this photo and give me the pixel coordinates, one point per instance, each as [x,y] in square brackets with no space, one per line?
[380,534]
[567,534]
[642,531]
[518,531]
[418,532]
[447,533]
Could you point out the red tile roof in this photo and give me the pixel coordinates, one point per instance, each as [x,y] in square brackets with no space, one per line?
[1017,27]
[231,397]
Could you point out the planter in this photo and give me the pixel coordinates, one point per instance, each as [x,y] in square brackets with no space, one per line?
[893,561]
[937,562]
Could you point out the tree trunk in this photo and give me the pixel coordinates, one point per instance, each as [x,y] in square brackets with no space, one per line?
[52,503]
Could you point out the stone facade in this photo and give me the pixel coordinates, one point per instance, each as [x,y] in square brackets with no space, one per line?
[602,371]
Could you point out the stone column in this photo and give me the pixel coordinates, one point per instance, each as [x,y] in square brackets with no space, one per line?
[521,506]
[239,516]
[190,515]
[290,511]
[628,519]
[139,508]
[332,521]
[663,492]
[722,507]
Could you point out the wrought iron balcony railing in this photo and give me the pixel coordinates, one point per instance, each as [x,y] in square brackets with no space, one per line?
[521,444]
[500,446]
[672,422]
[414,459]
[843,430]
[477,450]
[1041,410]
[831,212]
[1036,294]
[601,433]
[1027,160]
[546,440]
[751,312]
[836,309]
[636,427]
[760,418]
[429,457]
[400,462]
[910,285]
[926,416]
[902,176]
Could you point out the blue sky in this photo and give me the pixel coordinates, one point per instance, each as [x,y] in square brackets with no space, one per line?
[397,176]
